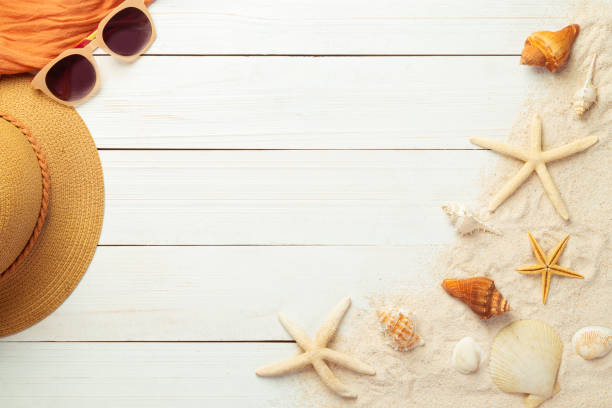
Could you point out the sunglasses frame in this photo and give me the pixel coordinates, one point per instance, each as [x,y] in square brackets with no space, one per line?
[39,80]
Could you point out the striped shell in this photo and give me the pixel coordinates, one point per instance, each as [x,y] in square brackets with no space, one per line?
[525,358]
[592,342]
[399,326]
[479,294]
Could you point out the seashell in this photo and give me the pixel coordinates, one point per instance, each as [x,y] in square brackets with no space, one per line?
[592,342]
[467,355]
[479,294]
[549,49]
[400,327]
[525,358]
[465,220]
[587,95]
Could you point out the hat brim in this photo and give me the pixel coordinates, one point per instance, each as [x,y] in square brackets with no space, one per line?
[69,237]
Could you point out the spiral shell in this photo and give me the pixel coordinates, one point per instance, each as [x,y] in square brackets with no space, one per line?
[399,325]
[592,342]
[479,294]
[586,96]
[549,49]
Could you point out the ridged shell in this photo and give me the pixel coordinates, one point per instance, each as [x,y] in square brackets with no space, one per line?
[549,49]
[467,355]
[399,325]
[592,342]
[587,95]
[525,358]
[583,100]
[479,294]
[465,220]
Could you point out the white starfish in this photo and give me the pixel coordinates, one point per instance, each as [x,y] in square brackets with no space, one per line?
[316,352]
[535,159]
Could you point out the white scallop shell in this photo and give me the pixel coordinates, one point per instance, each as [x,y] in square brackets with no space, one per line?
[465,220]
[467,355]
[587,95]
[525,358]
[592,342]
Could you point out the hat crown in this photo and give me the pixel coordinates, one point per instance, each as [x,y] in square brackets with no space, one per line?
[20,192]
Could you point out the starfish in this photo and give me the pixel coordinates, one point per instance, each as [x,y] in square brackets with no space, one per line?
[548,265]
[316,352]
[535,159]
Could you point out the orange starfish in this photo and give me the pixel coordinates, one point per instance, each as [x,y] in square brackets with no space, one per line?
[548,265]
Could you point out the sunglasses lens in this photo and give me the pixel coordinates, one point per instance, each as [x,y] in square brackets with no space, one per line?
[128,32]
[71,78]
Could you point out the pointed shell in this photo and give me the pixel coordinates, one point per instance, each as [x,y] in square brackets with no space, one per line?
[467,355]
[592,342]
[399,325]
[549,49]
[479,294]
[584,99]
[465,220]
[586,96]
[525,358]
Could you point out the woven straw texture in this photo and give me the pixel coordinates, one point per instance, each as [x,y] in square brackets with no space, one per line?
[20,192]
[69,236]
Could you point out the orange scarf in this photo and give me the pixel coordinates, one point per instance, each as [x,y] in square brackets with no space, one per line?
[33,32]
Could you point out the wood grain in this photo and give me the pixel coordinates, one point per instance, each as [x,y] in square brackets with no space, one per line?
[322,27]
[285,197]
[307,103]
[223,293]
[282,193]
[139,375]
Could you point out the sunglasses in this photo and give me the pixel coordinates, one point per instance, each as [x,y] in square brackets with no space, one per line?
[72,77]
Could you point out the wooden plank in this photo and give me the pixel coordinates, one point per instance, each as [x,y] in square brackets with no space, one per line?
[151,375]
[196,375]
[350,26]
[306,103]
[285,197]
[223,293]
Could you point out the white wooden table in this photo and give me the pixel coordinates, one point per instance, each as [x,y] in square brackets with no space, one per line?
[240,172]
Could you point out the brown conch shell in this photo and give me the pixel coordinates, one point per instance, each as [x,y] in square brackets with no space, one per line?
[549,49]
[479,294]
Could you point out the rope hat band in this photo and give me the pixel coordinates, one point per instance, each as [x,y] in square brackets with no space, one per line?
[44,201]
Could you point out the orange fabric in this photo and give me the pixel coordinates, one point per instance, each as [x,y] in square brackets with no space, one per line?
[33,32]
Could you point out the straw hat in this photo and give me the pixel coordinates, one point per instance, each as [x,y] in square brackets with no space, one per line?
[51,203]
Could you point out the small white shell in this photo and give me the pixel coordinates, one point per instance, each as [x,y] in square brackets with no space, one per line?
[592,342]
[525,358]
[465,220]
[586,96]
[467,355]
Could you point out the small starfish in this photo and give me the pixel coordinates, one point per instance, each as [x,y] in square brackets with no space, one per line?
[535,159]
[548,265]
[316,352]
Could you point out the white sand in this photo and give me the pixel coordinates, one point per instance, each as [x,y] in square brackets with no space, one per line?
[424,377]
